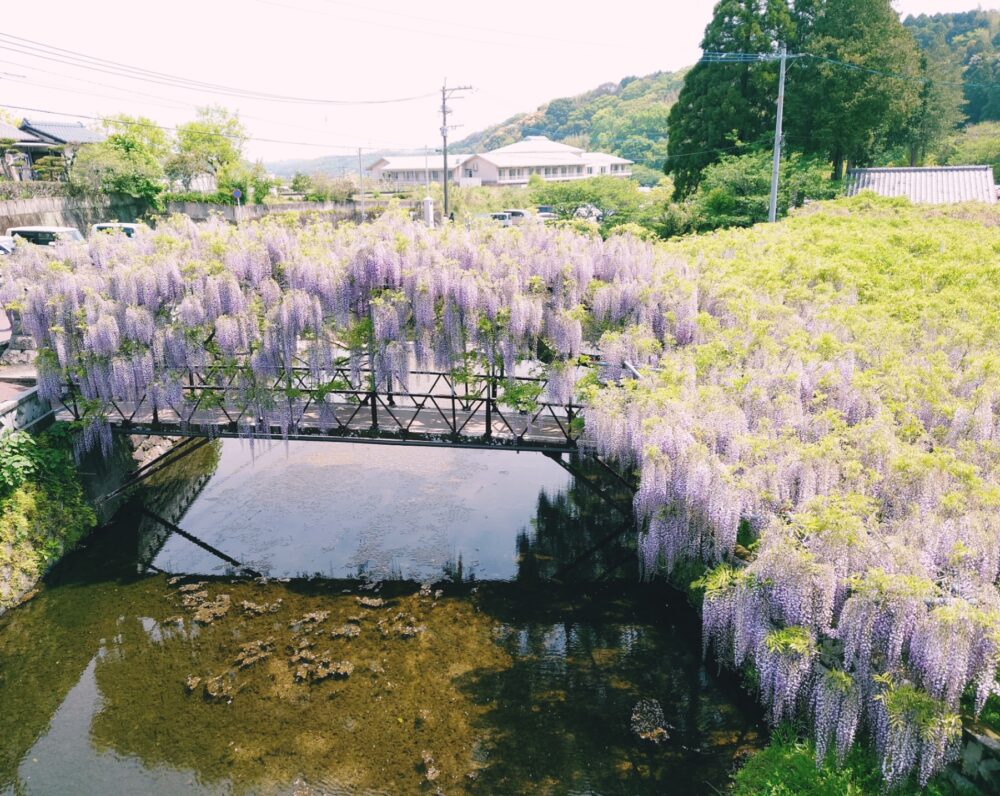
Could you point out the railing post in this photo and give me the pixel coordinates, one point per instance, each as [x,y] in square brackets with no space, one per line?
[489,403]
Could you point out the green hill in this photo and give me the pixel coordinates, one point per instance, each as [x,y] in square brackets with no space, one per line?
[628,118]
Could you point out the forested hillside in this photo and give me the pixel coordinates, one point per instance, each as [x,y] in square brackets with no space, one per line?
[969,43]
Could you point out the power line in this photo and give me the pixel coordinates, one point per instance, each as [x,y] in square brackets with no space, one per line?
[35,49]
[172,104]
[174,129]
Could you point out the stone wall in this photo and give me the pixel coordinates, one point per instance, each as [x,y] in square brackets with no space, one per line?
[64,211]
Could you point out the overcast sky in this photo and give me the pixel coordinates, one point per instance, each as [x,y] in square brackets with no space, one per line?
[516,54]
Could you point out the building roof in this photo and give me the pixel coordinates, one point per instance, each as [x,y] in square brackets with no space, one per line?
[9,132]
[602,158]
[418,162]
[927,185]
[62,132]
[536,145]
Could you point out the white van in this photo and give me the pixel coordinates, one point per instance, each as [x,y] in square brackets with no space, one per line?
[45,236]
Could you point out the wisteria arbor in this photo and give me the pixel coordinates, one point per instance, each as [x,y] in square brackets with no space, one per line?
[811,410]
[386,329]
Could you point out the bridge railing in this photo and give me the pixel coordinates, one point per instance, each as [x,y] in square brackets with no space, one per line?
[473,409]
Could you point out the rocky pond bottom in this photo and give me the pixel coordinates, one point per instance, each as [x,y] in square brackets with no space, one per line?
[119,679]
[325,687]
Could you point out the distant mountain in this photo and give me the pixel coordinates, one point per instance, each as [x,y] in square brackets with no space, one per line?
[628,118]
[331,165]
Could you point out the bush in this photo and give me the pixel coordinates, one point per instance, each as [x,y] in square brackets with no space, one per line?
[43,511]
[787,767]
[735,192]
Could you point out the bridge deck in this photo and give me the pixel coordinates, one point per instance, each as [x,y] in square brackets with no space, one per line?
[441,413]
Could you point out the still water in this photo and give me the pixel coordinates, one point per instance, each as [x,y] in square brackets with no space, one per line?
[425,621]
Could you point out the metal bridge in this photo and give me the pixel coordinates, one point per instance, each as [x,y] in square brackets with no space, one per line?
[437,408]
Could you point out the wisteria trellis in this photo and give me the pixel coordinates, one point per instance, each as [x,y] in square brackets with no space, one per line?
[869,599]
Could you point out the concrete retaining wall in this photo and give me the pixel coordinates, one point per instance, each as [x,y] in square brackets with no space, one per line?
[200,211]
[23,411]
[63,211]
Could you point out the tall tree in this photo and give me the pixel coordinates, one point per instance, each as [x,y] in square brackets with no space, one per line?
[939,108]
[213,140]
[844,102]
[140,128]
[723,105]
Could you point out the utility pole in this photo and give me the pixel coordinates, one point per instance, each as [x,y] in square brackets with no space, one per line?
[361,181]
[446,94]
[772,210]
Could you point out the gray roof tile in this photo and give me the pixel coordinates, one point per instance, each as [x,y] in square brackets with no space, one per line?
[927,185]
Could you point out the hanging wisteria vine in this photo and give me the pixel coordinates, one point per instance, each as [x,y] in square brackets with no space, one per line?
[827,450]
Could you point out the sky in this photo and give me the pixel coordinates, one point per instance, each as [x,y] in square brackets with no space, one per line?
[516,55]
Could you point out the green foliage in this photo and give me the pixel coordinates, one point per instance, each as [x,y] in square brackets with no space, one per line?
[208,144]
[42,507]
[250,179]
[967,41]
[724,106]
[787,767]
[141,128]
[49,167]
[844,114]
[521,395]
[122,164]
[790,640]
[735,192]
[976,144]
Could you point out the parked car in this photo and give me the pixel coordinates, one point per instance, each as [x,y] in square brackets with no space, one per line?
[6,245]
[518,216]
[546,213]
[45,236]
[111,227]
[503,219]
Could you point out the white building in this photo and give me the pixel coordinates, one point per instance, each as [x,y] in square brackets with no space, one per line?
[416,169]
[509,165]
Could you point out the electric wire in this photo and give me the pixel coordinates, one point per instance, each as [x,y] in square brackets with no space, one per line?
[35,49]
[197,134]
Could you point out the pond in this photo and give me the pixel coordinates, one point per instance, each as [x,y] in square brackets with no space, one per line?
[418,621]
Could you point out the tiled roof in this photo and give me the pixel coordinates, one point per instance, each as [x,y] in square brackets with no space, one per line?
[21,136]
[929,185]
[62,132]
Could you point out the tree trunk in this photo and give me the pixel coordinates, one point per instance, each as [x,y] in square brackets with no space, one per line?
[838,166]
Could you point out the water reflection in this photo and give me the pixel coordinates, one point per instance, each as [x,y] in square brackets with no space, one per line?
[474,686]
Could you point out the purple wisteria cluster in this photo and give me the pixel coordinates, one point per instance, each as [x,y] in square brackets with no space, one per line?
[124,320]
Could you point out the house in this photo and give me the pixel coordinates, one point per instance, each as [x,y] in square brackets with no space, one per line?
[927,185]
[513,164]
[16,147]
[32,141]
